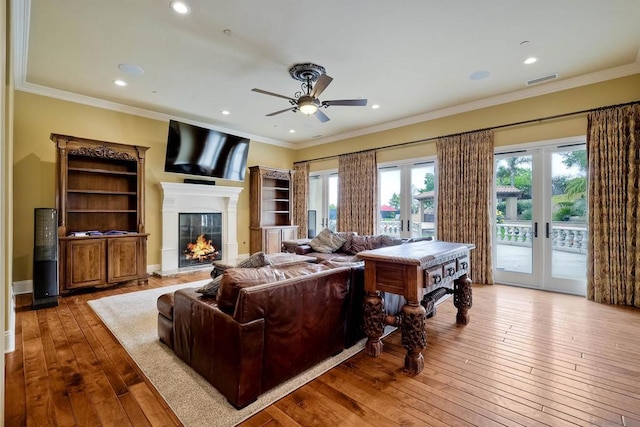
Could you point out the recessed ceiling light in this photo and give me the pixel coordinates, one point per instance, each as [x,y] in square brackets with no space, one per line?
[131,69]
[375,106]
[180,7]
[530,60]
[225,112]
[119,83]
[292,131]
[479,75]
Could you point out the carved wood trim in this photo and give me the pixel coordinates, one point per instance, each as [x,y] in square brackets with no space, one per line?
[103,152]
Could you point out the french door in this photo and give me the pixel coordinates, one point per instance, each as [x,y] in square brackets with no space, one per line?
[540,231]
[323,202]
[406,199]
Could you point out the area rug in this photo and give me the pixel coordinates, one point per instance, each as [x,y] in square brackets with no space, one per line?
[132,318]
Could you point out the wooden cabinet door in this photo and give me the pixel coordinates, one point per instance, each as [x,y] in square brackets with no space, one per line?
[86,263]
[272,243]
[290,233]
[124,255]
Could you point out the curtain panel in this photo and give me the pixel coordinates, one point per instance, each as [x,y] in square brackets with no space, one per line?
[465,175]
[300,197]
[357,192]
[613,257]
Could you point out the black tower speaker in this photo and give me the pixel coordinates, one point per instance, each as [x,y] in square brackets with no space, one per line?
[45,258]
[311,224]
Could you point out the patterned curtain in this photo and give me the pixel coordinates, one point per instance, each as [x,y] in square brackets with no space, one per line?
[465,177]
[300,196]
[613,148]
[357,192]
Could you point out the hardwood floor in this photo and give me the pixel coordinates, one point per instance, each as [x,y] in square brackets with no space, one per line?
[527,358]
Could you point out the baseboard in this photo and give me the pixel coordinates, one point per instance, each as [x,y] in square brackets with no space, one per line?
[152,268]
[10,333]
[23,287]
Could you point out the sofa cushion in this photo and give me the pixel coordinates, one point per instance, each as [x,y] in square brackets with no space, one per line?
[344,261]
[364,243]
[327,242]
[258,259]
[234,279]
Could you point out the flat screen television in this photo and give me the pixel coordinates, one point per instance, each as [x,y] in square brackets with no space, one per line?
[194,150]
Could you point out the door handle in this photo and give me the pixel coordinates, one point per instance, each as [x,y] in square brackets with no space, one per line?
[535,230]
[547,232]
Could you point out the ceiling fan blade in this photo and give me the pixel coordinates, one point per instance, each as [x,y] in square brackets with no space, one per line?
[281,111]
[346,102]
[321,84]
[273,94]
[321,116]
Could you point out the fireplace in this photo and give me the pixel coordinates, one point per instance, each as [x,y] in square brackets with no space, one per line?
[200,237]
[180,199]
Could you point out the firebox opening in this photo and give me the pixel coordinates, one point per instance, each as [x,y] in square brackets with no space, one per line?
[200,238]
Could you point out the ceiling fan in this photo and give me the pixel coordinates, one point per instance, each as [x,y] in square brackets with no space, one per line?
[314,81]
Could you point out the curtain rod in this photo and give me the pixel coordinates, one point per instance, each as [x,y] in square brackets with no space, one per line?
[433,138]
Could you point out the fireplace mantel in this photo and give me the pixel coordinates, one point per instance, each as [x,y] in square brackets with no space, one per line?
[197,198]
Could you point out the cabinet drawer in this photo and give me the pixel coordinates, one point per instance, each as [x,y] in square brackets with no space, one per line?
[433,276]
[449,269]
[463,263]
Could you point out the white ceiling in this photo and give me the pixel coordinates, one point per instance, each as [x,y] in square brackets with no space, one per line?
[412,57]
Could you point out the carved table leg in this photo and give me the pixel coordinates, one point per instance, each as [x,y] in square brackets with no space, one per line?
[414,336]
[373,323]
[462,299]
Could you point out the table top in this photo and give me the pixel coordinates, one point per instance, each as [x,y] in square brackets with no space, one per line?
[424,253]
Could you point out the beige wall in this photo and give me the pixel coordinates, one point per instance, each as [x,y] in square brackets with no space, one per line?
[607,93]
[34,157]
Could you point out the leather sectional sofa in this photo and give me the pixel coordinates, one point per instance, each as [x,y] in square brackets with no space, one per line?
[266,326]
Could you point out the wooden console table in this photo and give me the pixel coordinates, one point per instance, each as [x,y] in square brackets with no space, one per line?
[437,267]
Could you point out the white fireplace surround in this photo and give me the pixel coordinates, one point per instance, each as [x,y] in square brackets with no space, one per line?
[180,198]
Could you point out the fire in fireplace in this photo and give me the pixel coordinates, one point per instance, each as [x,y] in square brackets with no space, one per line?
[202,249]
[200,238]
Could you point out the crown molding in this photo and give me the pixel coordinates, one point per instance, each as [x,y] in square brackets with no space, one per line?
[531,92]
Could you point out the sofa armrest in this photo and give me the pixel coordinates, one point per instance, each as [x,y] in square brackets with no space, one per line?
[237,358]
[303,249]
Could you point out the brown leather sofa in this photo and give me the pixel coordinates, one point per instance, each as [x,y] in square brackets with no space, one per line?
[354,243]
[266,326]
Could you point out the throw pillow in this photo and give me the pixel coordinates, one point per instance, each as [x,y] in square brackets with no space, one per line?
[259,259]
[327,242]
[211,288]
[256,260]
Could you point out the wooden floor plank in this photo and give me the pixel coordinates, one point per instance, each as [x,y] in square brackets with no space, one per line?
[58,390]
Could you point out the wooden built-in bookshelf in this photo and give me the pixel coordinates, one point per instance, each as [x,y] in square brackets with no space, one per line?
[100,203]
[271,208]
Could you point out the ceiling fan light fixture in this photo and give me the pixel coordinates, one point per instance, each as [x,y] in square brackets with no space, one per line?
[308,108]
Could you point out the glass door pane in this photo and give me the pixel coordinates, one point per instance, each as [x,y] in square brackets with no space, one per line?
[316,213]
[514,218]
[323,202]
[390,202]
[332,199]
[423,200]
[568,225]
